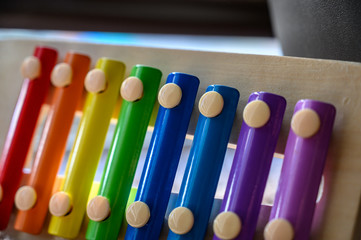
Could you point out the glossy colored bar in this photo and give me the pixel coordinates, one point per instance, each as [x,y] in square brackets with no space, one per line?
[163,155]
[52,145]
[32,96]
[204,164]
[124,153]
[86,151]
[301,174]
[262,121]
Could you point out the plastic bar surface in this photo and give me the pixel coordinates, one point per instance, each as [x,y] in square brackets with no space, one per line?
[52,144]
[302,169]
[163,156]
[88,148]
[251,164]
[32,96]
[124,153]
[205,162]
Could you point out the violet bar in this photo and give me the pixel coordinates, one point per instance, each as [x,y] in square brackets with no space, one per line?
[262,121]
[304,161]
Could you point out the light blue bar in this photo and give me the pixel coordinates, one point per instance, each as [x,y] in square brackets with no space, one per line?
[205,163]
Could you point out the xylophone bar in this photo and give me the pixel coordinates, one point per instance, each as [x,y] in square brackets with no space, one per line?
[32,199]
[106,210]
[256,145]
[190,217]
[145,216]
[68,206]
[304,161]
[36,71]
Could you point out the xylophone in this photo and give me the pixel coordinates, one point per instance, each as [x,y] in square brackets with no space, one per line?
[259,126]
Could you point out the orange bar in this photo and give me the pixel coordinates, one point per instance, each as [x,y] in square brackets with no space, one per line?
[52,146]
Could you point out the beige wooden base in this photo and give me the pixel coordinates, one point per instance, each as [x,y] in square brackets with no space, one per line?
[294,78]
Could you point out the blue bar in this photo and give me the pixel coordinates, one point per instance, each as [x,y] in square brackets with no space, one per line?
[163,156]
[205,163]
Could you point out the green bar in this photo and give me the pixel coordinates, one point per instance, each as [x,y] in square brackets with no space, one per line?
[124,154]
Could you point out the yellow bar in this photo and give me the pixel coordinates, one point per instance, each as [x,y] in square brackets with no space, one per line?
[87,149]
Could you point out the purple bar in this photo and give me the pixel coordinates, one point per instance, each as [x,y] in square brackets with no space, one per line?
[251,165]
[302,170]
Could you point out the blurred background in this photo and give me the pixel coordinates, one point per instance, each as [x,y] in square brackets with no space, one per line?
[237,26]
[328,29]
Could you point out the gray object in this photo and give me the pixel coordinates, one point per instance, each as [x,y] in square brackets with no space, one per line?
[329,29]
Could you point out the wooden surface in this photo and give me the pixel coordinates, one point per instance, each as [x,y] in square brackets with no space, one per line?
[335,82]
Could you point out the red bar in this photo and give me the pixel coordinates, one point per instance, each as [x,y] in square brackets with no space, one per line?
[32,95]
